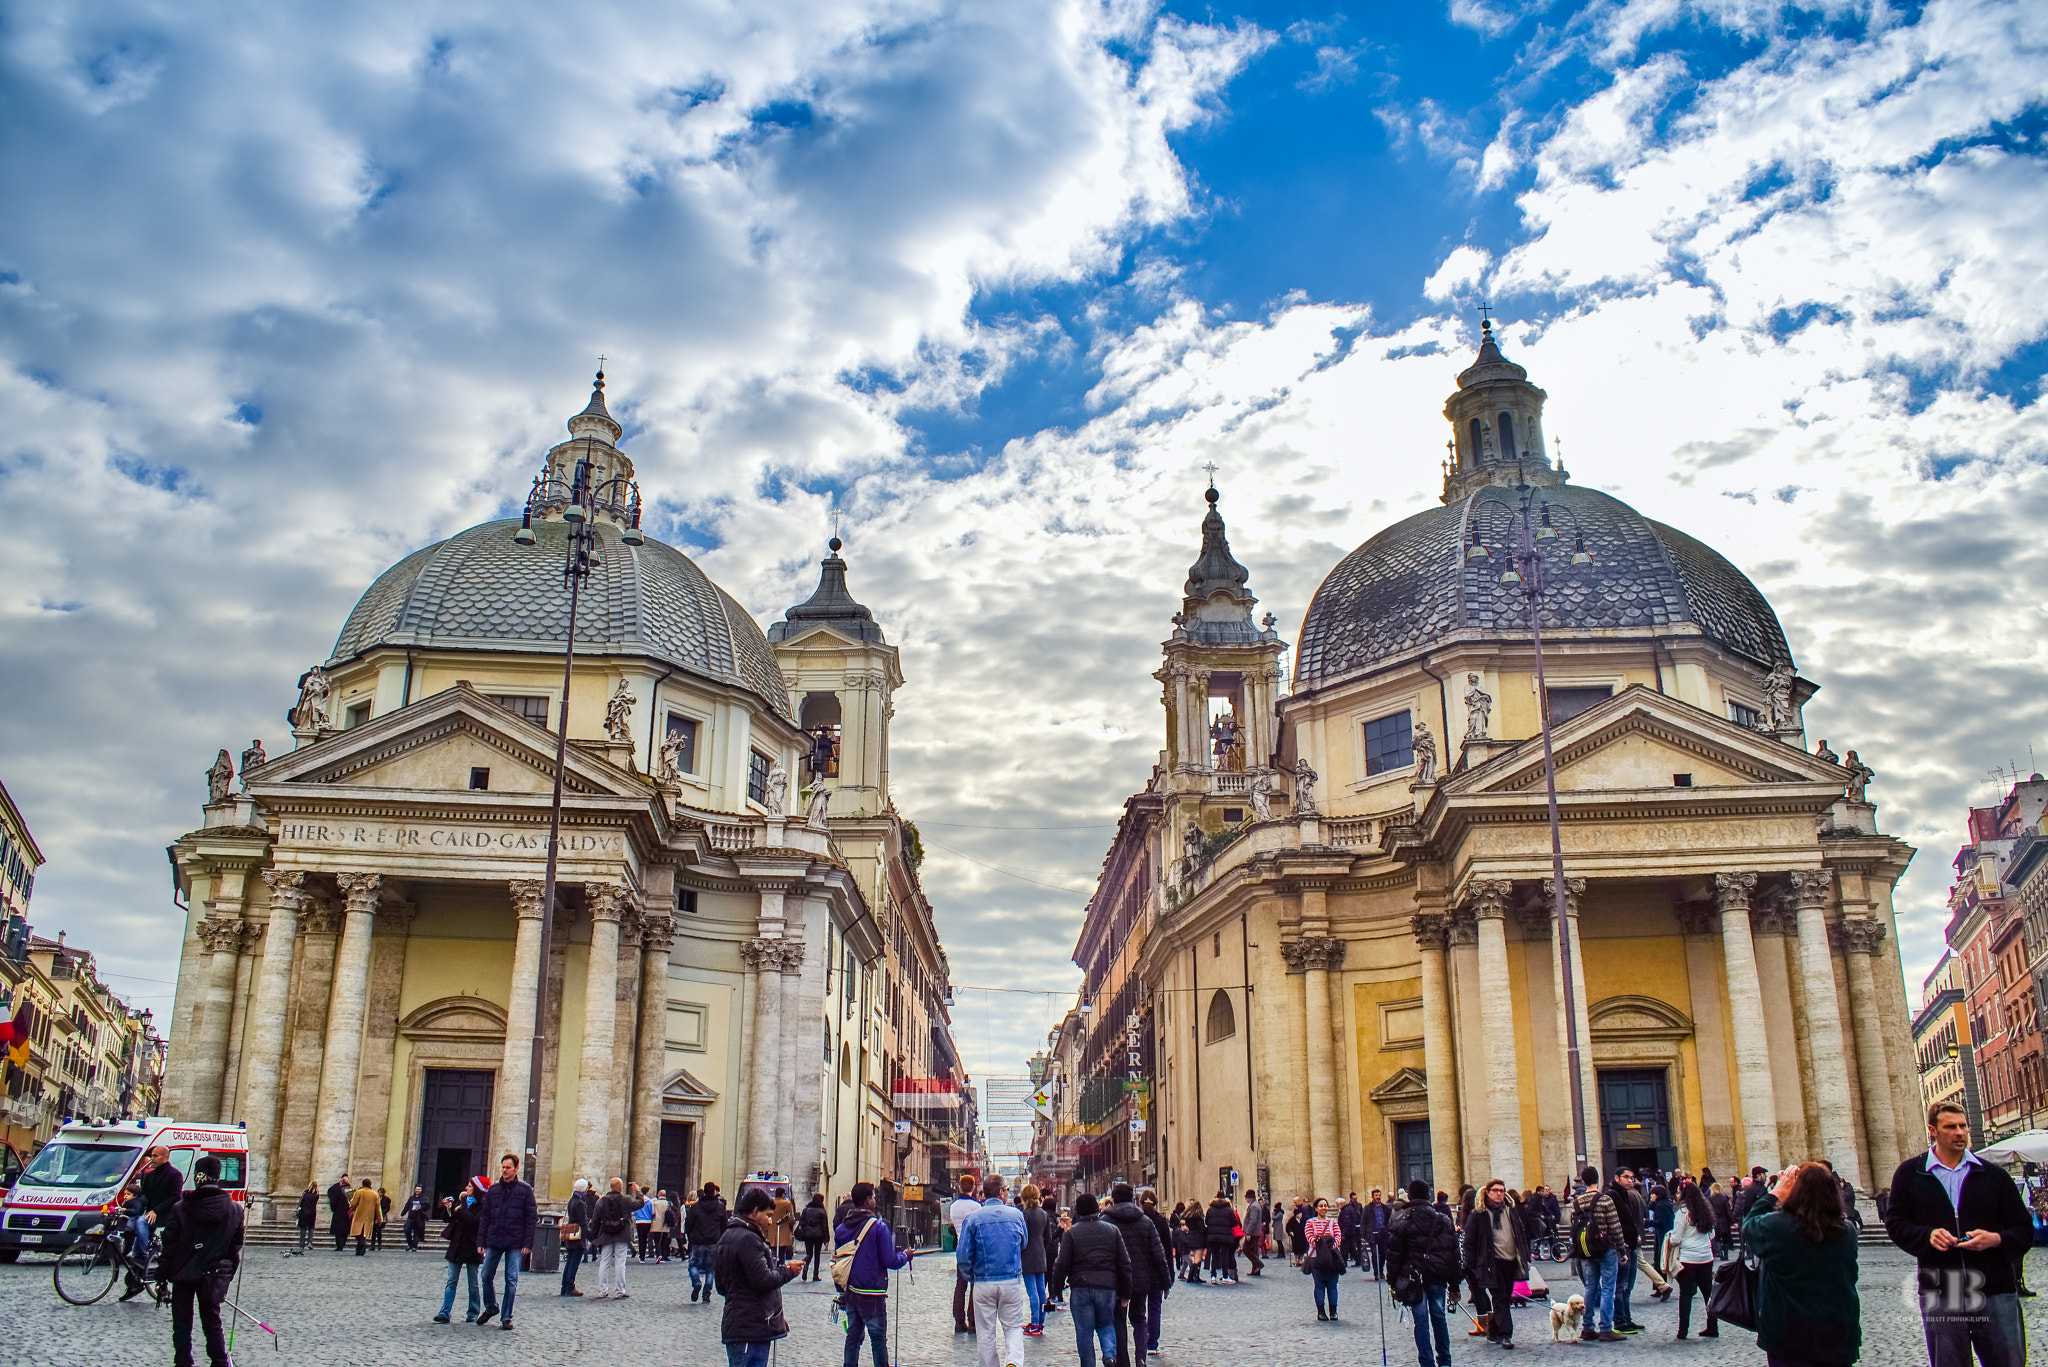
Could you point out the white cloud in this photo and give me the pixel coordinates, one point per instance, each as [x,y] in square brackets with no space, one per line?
[1462,269]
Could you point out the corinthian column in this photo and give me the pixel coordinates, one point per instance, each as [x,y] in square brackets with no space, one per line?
[763,958]
[1819,1004]
[1489,898]
[1746,1016]
[1589,1086]
[1314,956]
[600,1019]
[336,1122]
[515,1073]
[786,1137]
[657,933]
[1432,937]
[1864,940]
[311,990]
[222,937]
[266,1021]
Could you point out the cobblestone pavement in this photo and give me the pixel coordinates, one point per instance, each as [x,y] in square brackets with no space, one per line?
[339,1309]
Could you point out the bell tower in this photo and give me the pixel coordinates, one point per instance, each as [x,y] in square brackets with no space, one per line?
[842,678]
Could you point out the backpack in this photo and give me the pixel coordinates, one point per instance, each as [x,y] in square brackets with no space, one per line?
[611,1220]
[1325,1258]
[842,1256]
[1589,1235]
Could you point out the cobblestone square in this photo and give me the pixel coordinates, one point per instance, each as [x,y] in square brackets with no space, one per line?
[339,1309]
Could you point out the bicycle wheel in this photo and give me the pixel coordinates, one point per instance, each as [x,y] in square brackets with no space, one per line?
[86,1271]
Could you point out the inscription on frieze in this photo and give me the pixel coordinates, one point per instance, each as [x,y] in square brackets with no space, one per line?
[432,839]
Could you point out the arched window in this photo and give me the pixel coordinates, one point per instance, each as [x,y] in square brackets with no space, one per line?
[1508,449]
[1478,452]
[1222,1019]
[846,1064]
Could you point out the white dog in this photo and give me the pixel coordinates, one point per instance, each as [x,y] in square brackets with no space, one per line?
[1565,1319]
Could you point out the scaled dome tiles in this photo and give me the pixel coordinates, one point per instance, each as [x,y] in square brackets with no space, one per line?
[479,591]
[1410,588]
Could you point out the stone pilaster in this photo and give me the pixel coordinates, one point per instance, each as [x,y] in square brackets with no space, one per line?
[1582,1023]
[1432,938]
[794,1153]
[334,1128]
[523,999]
[551,1053]
[380,1042]
[266,1025]
[1746,1017]
[763,959]
[600,1017]
[1774,930]
[1489,902]
[1864,940]
[238,1023]
[1462,933]
[222,938]
[1811,889]
[650,1064]
[625,1011]
[311,990]
[1316,956]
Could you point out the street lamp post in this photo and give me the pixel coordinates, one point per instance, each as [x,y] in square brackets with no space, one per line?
[575,499]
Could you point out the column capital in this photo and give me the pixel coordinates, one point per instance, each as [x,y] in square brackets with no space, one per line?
[322,915]
[608,901]
[220,934]
[251,935]
[361,890]
[395,914]
[287,888]
[790,958]
[1732,892]
[1464,929]
[631,927]
[1311,953]
[761,954]
[1862,937]
[1487,898]
[527,895]
[1697,917]
[1537,919]
[1773,917]
[1810,888]
[1838,942]
[657,934]
[1574,889]
[1431,929]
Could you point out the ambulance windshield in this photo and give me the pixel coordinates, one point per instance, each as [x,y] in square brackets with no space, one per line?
[72,1164]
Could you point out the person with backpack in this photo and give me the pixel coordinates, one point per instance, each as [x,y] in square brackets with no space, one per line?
[862,1260]
[1596,1238]
[611,1234]
[703,1227]
[751,1281]
[463,1253]
[1496,1256]
[1325,1260]
[812,1230]
[1422,1267]
[201,1248]
[1150,1271]
[575,1223]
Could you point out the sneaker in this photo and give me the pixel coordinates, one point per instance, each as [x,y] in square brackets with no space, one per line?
[440,1319]
[490,1313]
[1609,1336]
[506,1325]
[618,1295]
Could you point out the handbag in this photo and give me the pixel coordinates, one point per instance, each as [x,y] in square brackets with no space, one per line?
[1407,1289]
[1735,1292]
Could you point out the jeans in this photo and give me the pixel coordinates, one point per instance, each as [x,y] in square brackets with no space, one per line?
[1326,1291]
[963,1300]
[183,1294]
[744,1354]
[1376,1247]
[869,1314]
[1429,1319]
[1094,1311]
[1132,1333]
[1599,1278]
[999,1319]
[1624,1283]
[572,1258]
[510,1258]
[1153,1301]
[700,1267]
[448,1292]
[1994,1332]
[813,1249]
[1034,1287]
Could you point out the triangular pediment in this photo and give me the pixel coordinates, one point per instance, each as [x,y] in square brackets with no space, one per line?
[1403,1084]
[681,1085]
[1640,739]
[434,744]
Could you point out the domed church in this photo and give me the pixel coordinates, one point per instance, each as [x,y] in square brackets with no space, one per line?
[363,950]
[1324,951]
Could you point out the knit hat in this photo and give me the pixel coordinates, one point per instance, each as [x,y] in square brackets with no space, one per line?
[483,1183]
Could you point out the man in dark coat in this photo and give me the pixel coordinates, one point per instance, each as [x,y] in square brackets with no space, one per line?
[202,1247]
[160,1188]
[505,1230]
[1422,1244]
[337,1212]
[414,1214]
[1964,1221]
[1372,1232]
[1093,1260]
[1151,1270]
[1350,1221]
[751,1281]
[703,1227]
[1634,1213]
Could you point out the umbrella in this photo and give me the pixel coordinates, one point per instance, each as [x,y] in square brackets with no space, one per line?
[2030,1147]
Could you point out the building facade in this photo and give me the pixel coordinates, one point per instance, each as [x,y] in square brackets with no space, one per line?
[368,933]
[1988,934]
[1948,1055]
[1349,970]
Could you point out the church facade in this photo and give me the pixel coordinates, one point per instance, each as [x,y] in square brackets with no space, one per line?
[363,959]
[1338,906]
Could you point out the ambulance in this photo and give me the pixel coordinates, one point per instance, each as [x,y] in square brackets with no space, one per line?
[76,1179]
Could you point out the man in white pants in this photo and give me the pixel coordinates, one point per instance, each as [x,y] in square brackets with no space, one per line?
[991,1252]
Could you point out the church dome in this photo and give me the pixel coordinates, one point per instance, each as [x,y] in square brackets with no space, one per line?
[1411,587]
[479,590]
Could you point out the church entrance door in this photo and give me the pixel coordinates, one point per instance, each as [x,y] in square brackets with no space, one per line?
[1411,1153]
[672,1173]
[1635,1118]
[455,1129]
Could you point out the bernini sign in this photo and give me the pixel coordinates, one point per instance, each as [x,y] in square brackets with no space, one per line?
[444,839]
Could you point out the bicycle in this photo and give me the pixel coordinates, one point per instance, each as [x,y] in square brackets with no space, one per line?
[88,1270]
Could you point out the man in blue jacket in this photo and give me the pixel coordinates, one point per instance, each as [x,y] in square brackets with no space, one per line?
[867,1284]
[505,1230]
[992,1253]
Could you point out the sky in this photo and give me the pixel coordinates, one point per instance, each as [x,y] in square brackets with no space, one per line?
[286,292]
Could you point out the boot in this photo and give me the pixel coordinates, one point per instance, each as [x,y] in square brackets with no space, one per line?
[1478,1331]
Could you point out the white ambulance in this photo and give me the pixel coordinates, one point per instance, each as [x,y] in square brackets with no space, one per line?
[75,1180]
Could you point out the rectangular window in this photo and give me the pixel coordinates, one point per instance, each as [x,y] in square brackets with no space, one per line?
[1681,780]
[534,710]
[357,714]
[479,779]
[686,901]
[1744,716]
[682,733]
[1389,744]
[757,776]
[1566,703]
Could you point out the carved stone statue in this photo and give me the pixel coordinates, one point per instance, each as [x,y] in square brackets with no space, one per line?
[778,788]
[1191,845]
[252,758]
[1778,698]
[1860,775]
[1223,738]
[1425,754]
[668,761]
[1304,787]
[1821,751]
[618,715]
[311,713]
[1261,794]
[823,747]
[821,798]
[220,778]
[1478,709]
